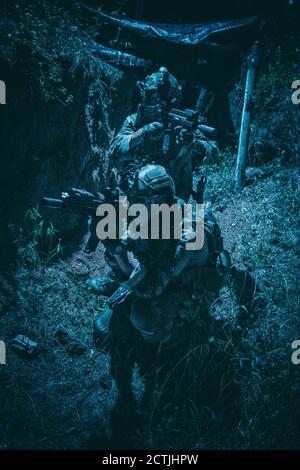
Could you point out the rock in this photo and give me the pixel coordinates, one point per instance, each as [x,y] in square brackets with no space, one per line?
[72,344]
[25,346]
[219,208]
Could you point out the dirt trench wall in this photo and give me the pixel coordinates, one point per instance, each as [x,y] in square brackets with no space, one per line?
[49,146]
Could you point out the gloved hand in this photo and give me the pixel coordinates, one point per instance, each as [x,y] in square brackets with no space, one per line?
[185,137]
[153,131]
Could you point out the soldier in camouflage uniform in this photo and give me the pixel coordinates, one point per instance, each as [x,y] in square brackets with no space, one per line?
[155,314]
[140,141]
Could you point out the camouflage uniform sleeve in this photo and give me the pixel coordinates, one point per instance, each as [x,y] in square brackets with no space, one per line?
[150,283]
[204,150]
[146,283]
[120,146]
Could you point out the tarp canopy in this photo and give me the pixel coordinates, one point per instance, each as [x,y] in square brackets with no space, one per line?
[210,51]
[182,34]
[209,35]
[203,56]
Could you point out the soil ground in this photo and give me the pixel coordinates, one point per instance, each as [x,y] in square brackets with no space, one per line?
[59,399]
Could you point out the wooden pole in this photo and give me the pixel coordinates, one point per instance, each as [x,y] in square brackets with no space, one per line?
[246,117]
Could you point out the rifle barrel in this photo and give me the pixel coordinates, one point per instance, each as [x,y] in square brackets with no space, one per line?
[50,202]
[211,131]
[78,207]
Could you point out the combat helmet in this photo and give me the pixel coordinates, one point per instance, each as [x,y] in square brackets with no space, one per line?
[153,181]
[160,87]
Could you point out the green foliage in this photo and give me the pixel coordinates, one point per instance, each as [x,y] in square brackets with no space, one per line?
[220,177]
[52,37]
[275,126]
[35,245]
[274,84]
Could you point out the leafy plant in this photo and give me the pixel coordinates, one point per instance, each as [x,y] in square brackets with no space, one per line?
[53,39]
[36,245]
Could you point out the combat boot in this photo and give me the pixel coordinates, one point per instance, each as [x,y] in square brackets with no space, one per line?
[105,285]
[101,327]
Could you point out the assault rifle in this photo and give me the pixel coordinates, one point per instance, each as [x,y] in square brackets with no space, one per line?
[74,200]
[188,119]
[80,201]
